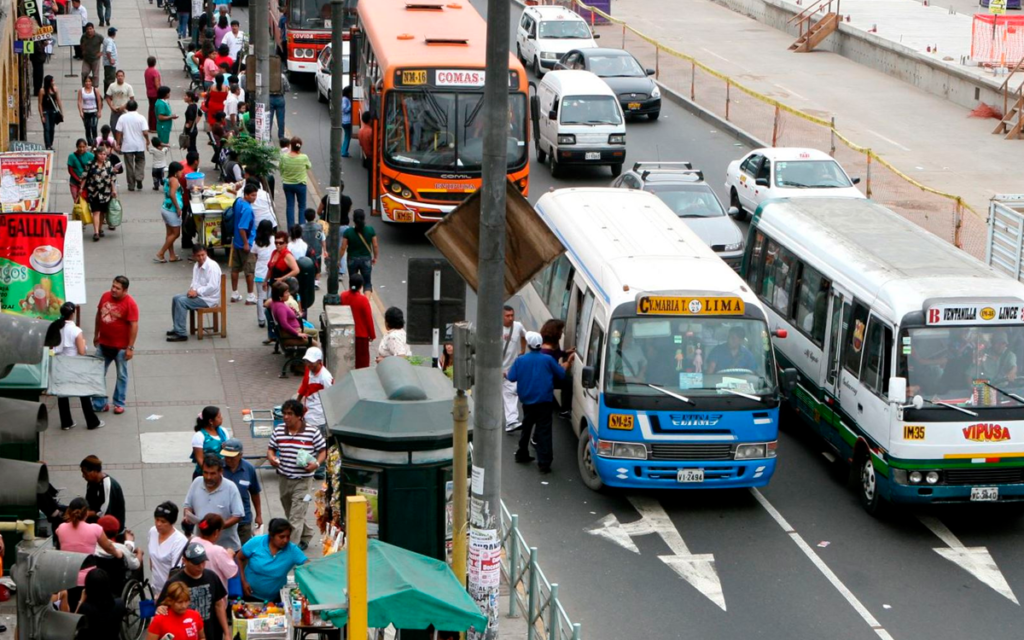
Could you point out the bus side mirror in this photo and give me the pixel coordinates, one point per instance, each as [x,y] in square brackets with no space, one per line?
[898,390]
[588,378]
[534,108]
[789,379]
[553,114]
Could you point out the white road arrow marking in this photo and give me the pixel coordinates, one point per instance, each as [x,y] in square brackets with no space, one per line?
[697,569]
[974,560]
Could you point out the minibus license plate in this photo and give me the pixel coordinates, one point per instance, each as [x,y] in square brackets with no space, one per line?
[984,494]
[633,106]
[403,215]
[593,155]
[690,475]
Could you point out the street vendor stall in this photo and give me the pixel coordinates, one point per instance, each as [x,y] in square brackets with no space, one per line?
[209,202]
[406,590]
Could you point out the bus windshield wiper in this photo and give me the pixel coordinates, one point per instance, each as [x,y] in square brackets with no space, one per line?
[1005,393]
[940,403]
[667,392]
[749,396]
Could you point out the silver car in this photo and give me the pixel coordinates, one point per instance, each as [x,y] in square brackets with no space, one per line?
[683,189]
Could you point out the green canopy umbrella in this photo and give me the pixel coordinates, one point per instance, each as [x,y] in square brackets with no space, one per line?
[405,589]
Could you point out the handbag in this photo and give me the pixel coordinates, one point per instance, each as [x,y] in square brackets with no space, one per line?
[58,117]
[183,140]
[114,213]
[82,211]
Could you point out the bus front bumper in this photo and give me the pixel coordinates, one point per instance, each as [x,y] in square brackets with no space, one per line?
[948,494]
[399,210]
[309,66]
[569,155]
[618,472]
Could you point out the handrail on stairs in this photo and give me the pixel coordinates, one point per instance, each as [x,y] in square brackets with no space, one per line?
[1005,87]
[805,16]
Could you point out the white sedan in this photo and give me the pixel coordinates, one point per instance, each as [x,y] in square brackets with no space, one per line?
[324,70]
[783,172]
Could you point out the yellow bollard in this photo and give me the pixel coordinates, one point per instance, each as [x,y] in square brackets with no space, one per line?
[355,532]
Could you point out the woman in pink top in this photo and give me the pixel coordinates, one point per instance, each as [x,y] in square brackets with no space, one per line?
[79,536]
[219,560]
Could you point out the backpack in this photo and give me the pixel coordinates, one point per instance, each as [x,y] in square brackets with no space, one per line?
[227,224]
[313,237]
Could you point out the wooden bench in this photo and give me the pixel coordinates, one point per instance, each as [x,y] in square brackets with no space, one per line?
[219,313]
[293,347]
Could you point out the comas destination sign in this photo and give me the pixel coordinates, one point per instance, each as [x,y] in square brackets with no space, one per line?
[685,306]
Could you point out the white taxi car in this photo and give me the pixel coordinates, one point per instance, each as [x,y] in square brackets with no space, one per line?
[785,172]
[324,69]
[546,33]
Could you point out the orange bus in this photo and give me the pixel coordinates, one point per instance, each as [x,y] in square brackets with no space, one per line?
[421,66]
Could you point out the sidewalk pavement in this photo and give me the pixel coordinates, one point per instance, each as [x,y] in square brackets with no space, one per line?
[928,138]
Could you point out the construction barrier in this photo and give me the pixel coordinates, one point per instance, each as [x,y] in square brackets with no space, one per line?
[997,39]
[778,124]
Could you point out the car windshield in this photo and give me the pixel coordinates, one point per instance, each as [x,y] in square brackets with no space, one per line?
[689,356]
[590,110]
[953,364]
[565,29]
[688,200]
[444,130]
[810,174]
[308,14]
[622,66]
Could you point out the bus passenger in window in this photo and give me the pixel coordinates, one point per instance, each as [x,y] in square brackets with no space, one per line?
[820,311]
[732,355]
[1006,360]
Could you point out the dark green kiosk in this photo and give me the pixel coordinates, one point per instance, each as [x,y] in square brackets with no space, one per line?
[393,426]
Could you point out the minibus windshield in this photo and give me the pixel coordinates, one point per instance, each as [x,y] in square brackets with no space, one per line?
[690,356]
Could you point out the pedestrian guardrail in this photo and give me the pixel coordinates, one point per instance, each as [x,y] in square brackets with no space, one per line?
[1005,250]
[529,589]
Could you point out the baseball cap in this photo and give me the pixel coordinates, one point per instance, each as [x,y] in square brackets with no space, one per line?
[313,354]
[533,340]
[111,31]
[231,447]
[195,553]
[110,525]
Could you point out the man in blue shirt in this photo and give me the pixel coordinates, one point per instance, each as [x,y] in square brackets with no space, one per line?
[732,354]
[536,375]
[243,474]
[241,245]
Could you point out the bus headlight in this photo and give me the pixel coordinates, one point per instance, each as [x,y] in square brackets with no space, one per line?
[400,189]
[932,477]
[756,451]
[566,138]
[617,138]
[915,477]
[630,450]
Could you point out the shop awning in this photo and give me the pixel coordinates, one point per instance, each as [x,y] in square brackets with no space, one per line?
[405,589]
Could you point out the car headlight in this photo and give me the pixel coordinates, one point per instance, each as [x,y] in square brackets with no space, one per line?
[756,451]
[736,246]
[630,450]
[549,56]
[617,138]
[566,138]
[655,92]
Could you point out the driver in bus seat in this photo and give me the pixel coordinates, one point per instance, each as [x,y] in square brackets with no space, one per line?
[732,354]
[951,367]
[1006,360]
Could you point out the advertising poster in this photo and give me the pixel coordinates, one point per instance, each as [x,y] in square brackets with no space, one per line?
[212,231]
[25,181]
[372,514]
[32,264]
[69,30]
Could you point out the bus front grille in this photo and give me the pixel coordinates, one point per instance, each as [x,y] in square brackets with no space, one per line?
[997,475]
[444,196]
[691,452]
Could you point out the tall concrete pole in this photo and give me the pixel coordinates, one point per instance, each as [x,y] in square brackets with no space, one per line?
[334,206]
[485,511]
[259,28]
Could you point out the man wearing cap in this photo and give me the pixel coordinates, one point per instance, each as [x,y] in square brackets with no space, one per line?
[317,379]
[243,474]
[131,555]
[102,492]
[536,375]
[211,494]
[109,58]
[207,595]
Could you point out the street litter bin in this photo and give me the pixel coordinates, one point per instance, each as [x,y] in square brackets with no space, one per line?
[392,426]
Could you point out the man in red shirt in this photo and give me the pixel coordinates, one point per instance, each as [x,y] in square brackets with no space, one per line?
[363,317]
[152,86]
[117,325]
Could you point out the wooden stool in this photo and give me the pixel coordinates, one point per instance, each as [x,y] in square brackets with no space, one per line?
[220,314]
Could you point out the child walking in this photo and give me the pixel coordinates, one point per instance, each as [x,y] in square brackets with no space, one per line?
[160,152]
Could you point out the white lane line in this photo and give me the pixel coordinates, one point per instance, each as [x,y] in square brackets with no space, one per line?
[976,561]
[790,91]
[716,55]
[889,140]
[816,560]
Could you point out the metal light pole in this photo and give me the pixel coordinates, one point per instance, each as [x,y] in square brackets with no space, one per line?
[334,203]
[485,512]
[259,27]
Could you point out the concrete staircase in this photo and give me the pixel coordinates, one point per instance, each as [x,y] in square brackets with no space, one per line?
[811,35]
[1011,125]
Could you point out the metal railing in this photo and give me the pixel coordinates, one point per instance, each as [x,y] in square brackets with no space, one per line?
[803,19]
[529,589]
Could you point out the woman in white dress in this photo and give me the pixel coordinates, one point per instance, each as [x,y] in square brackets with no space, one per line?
[166,544]
[66,339]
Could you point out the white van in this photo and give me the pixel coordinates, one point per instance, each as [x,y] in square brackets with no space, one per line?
[547,32]
[578,121]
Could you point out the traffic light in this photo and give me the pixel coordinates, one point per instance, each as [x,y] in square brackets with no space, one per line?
[22,341]
[40,572]
[464,356]
[22,481]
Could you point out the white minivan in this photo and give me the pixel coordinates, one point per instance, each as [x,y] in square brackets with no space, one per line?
[545,33]
[578,121]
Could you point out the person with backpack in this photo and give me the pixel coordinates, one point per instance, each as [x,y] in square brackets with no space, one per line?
[209,437]
[313,236]
[360,241]
[243,234]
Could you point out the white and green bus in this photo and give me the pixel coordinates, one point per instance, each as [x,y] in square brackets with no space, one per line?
[878,311]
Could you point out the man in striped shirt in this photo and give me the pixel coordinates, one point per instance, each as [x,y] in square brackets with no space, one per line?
[296,450]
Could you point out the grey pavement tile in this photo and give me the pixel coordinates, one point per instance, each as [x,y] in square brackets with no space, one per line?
[167,480]
[181,417]
[193,365]
[115,442]
[165,446]
[184,389]
[154,499]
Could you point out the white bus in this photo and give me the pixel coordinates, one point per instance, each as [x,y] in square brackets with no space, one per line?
[879,310]
[674,384]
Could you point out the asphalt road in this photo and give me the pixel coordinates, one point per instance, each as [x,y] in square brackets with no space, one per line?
[799,560]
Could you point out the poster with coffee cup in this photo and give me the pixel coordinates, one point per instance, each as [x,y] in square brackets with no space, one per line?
[25,181]
[32,264]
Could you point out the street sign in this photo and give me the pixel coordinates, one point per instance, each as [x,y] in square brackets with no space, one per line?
[997,7]
[69,30]
[436,299]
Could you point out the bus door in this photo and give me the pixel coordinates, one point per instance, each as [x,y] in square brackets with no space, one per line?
[584,401]
[839,311]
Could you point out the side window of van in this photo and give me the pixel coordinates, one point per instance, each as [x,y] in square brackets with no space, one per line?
[542,281]
[779,272]
[811,312]
[594,347]
[874,371]
[525,23]
[755,269]
[584,316]
[856,331]
[557,298]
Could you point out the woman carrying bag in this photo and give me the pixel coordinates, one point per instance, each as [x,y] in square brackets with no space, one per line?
[99,188]
[90,109]
[51,111]
[66,339]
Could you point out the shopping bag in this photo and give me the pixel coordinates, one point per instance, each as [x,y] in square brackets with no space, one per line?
[76,377]
[114,213]
[183,140]
[82,211]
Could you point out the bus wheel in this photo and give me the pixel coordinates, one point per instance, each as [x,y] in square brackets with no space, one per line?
[585,459]
[870,498]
